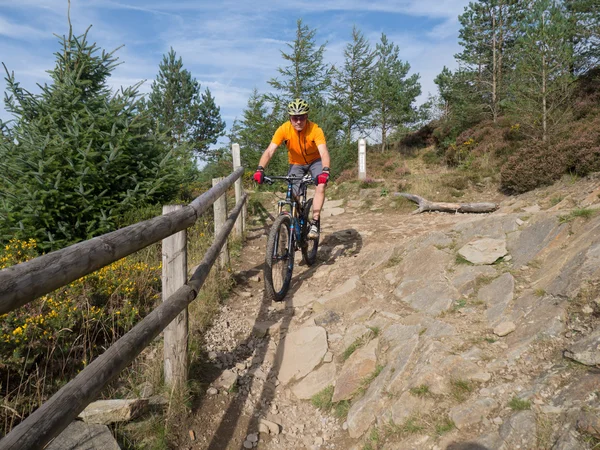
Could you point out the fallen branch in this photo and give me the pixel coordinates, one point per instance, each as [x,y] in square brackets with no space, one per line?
[426,205]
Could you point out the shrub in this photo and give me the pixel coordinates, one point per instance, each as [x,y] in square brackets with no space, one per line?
[531,167]
[52,338]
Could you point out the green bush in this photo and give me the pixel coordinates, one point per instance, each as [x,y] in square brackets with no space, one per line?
[77,155]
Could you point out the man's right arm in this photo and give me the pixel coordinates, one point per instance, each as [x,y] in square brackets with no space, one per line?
[267,154]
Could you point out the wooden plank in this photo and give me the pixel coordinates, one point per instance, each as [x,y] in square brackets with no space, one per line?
[174,275]
[50,419]
[27,281]
[237,162]
[220,215]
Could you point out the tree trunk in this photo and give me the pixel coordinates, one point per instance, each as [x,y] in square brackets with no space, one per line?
[426,205]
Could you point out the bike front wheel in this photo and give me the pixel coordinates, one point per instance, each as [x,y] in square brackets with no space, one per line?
[279,261]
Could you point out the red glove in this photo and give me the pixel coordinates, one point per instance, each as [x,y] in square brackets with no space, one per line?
[323,178]
[259,175]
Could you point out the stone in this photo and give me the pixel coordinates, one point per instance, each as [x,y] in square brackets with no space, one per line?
[227,380]
[586,351]
[409,405]
[111,411]
[484,251]
[353,333]
[505,328]
[83,436]
[315,382]
[473,412]
[588,423]
[359,366]
[519,431]
[272,427]
[328,357]
[303,350]
[497,295]
[212,391]
[326,318]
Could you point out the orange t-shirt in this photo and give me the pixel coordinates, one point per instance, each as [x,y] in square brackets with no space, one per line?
[302,146]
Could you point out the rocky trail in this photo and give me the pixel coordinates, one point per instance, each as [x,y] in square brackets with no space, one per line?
[427,331]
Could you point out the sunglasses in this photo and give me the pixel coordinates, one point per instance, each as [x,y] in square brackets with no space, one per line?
[301,118]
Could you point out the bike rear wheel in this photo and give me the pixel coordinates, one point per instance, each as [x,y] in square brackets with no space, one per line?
[279,261]
[310,247]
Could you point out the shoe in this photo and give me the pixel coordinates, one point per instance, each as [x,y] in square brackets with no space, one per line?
[313,233]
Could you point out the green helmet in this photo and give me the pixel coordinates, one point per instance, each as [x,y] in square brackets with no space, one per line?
[297,107]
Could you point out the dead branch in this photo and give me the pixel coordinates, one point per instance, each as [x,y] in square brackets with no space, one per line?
[426,205]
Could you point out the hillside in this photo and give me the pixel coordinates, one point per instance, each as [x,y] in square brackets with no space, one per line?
[394,340]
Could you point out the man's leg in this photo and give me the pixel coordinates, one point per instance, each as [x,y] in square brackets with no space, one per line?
[315,169]
[318,201]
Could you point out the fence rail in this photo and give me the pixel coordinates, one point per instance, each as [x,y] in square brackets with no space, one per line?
[23,283]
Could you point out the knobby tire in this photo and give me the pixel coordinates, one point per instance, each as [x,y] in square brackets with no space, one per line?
[279,261]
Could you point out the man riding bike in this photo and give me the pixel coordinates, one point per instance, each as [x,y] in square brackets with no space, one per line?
[307,152]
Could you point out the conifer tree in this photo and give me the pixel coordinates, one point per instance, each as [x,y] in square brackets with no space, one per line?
[543,79]
[191,119]
[393,92]
[254,132]
[487,35]
[352,85]
[584,18]
[306,76]
[78,156]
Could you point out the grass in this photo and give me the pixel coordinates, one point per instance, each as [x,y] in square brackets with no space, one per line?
[322,401]
[460,389]
[393,261]
[462,260]
[352,348]
[420,391]
[376,331]
[518,404]
[584,213]
[444,425]
[540,292]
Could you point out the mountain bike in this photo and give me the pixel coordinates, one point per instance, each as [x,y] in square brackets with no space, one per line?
[288,233]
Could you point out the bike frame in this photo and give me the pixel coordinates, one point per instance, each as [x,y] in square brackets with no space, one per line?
[293,204]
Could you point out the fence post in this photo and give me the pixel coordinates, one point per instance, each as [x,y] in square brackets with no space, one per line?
[237,162]
[220,210]
[362,159]
[174,275]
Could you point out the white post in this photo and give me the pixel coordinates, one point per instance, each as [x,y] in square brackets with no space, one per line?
[174,275]
[220,212]
[237,162]
[362,159]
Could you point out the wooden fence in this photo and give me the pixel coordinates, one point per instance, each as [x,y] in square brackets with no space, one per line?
[25,282]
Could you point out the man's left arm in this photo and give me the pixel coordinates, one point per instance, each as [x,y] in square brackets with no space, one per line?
[325,160]
[323,178]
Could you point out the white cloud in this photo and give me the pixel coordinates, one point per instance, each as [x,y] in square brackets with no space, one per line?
[230,46]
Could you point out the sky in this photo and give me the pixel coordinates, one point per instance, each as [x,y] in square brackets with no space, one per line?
[229,46]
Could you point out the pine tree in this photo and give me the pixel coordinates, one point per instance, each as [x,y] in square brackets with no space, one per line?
[393,93]
[487,35]
[543,79]
[78,156]
[352,86]
[254,132]
[207,126]
[191,119]
[584,17]
[306,76]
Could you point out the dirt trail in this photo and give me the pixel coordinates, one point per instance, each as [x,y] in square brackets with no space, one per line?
[224,420]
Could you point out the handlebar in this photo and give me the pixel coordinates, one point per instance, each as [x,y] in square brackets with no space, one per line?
[306,179]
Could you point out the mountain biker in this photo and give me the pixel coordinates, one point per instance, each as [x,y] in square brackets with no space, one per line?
[307,152]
